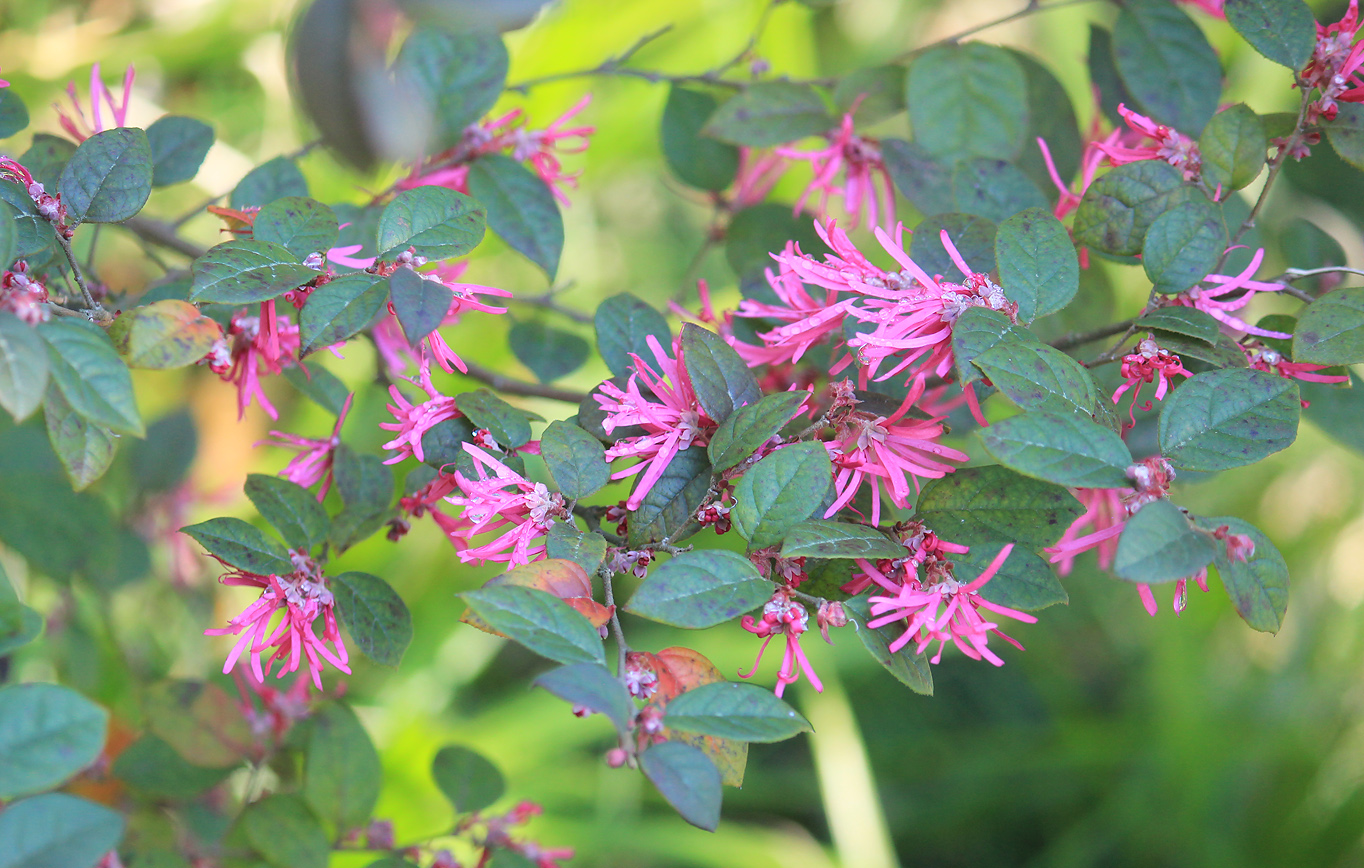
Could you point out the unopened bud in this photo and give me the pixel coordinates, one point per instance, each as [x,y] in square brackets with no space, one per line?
[615,757]
[830,614]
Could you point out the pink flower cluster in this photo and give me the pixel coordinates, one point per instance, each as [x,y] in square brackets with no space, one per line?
[784,617]
[252,346]
[1150,363]
[77,125]
[498,499]
[22,295]
[866,186]
[1335,67]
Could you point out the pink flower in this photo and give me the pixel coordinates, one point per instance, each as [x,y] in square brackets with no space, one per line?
[1149,364]
[279,709]
[1212,7]
[865,179]
[671,417]
[1239,547]
[77,125]
[810,318]
[1263,358]
[783,616]
[541,147]
[922,546]
[414,420]
[248,350]
[1068,200]
[1213,300]
[23,295]
[1104,516]
[1335,66]
[316,455]
[758,173]
[498,498]
[300,597]
[1165,144]
[941,609]
[49,206]
[392,343]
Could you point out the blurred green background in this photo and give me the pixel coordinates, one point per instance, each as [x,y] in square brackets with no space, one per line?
[1116,739]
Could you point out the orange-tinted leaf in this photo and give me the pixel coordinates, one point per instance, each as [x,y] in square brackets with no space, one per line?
[562,578]
[679,670]
[164,334]
[239,222]
[590,609]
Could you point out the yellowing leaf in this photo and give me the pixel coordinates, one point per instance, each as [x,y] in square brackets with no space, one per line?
[164,334]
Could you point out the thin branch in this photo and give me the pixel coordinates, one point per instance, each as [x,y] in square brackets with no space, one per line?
[546,301]
[162,234]
[1077,339]
[1299,273]
[1033,7]
[610,66]
[621,648]
[513,386]
[90,302]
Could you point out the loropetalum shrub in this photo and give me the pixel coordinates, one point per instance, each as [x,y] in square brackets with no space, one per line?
[834,430]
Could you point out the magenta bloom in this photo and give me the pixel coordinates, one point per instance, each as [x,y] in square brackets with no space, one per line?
[811,318]
[671,416]
[252,348]
[865,179]
[414,420]
[1212,7]
[1232,292]
[783,616]
[1149,364]
[1335,66]
[77,125]
[757,174]
[316,455]
[299,598]
[392,343]
[941,609]
[1104,516]
[1068,200]
[498,498]
[1149,140]
[1263,358]
[541,147]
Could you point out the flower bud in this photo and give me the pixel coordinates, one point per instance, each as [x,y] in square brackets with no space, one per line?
[615,757]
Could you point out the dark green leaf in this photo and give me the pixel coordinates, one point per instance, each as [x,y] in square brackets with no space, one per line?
[756,232]
[1037,263]
[1051,118]
[770,113]
[46,158]
[178,146]
[241,272]
[1158,544]
[1337,411]
[56,830]
[1232,148]
[298,224]
[467,778]
[587,550]
[23,367]
[700,161]
[968,100]
[976,331]
[744,712]
[575,460]
[1065,449]
[878,92]
[1024,580]
[282,829]
[340,309]
[974,238]
[978,503]
[623,324]
[919,176]
[456,75]
[241,545]
[200,721]
[1186,321]
[32,233]
[271,180]
[507,424]
[1282,30]
[443,443]
[1037,377]
[590,686]
[721,379]
[1331,329]
[93,379]
[550,353]
[1103,72]
[13,114]
[290,508]
[540,621]
[438,222]
[993,189]
[1225,353]
[1258,586]
[688,779]
[910,669]
[1167,65]
[420,304]
[818,538]
[341,770]
[320,385]
[1118,208]
[153,767]
[85,449]
[48,733]
[377,618]
[521,209]
[700,589]
[109,177]
[673,499]
[1223,419]
[1183,246]
[779,492]
[749,427]
[365,482]
[1305,245]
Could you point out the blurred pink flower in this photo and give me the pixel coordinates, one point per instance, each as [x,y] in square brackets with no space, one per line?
[866,183]
[315,457]
[77,124]
[414,420]
[1165,144]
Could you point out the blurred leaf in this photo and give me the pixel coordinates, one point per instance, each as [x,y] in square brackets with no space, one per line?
[1038,266]
[298,224]
[339,309]
[721,379]
[341,770]
[56,830]
[1331,330]
[591,686]
[366,486]
[46,157]
[550,353]
[1119,207]
[818,538]
[1167,64]
[9,233]
[419,304]
[910,669]
[587,550]
[993,189]
[241,545]
[1051,117]
[23,367]
[750,426]
[700,589]
[1186,321]
[779,492]
[437,222]
[153,767]
[575,459]
[457,76]
[739,711]
[1223,419]
[282,829]
[377,618]
[85,449]
[271,180]
[13,114]
[996,503]
[698,160]
[467,779]
[687,779]
[163,458]
[1036,377]
[1183,245]
[521,209]
[1232,148]
[977,330]
[1337,410]
[109,177]
[1024,580]
[623,324]
[290,508]
[320,385]
[1158,544]
[968,100]
[507,424]
[1303,244]
[90,375]
[241,272]
[163,335]
[48,734]
[1282,30]
[178,147]
[1257,586]
[770,113]
[758,231]
[878,92]
[919,176]
[200,722]
[1067,449]
[974,238]
[538,620]
[19,625]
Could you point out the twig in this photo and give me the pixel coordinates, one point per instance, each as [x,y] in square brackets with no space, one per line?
[1299,273]
[62,311]
[610,66]
[621,647]
[1033,7]
[546,301]
[513,386]
[1076,339]
[162,234]
[90,302]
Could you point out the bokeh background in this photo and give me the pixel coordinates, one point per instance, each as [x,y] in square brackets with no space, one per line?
[1116,739]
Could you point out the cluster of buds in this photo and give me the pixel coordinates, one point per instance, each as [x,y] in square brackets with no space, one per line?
[22,295]
[47,205]
[630,561]
[715,514]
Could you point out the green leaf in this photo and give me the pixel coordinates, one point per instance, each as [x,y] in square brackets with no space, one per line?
[1223,419]
[56,830]
[92,378]
[968,100]
[756,232]
[1232,148]
[770,113]
[1167,65]
[688,779]
[33,234]
[976,331]
[320,385]
[1303,244]
[1258,586]
[587,550]
[443,443]
[366,486]
[178,147]
[1337,410]
[48,734]
[1067,449]
[590,686]
[974,238]
[919,176]
[200,722]
[19,625]
[153,767]
[699,161]
[23,367]
[290,508]
[1119,207]
[721,379]
[1038,267]
[750,426]
[420,304]
[85,449]
[1158,544]
[995,503]
[1331,330]
[550,353]
[1024,580]
[521,209]
[46,157]
[13,114]
[700,589]
[673,499]
[298,224]
[271,180]
[508,425]
[109,177]
[1183,245]
[438,222]
[377,618]
[540,621]
[744,712]
[340,309]
[877,92]
[575,459]
[623,324]
[1186,321]
[341,770]
[1038,377]
[1282,30]
[282,829]
[779,492]
[818,538]
[241,545]
[993,189]
[1051,117]
[467,778]
[242,272]
[910,669]
[1225,353]
[456,75]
